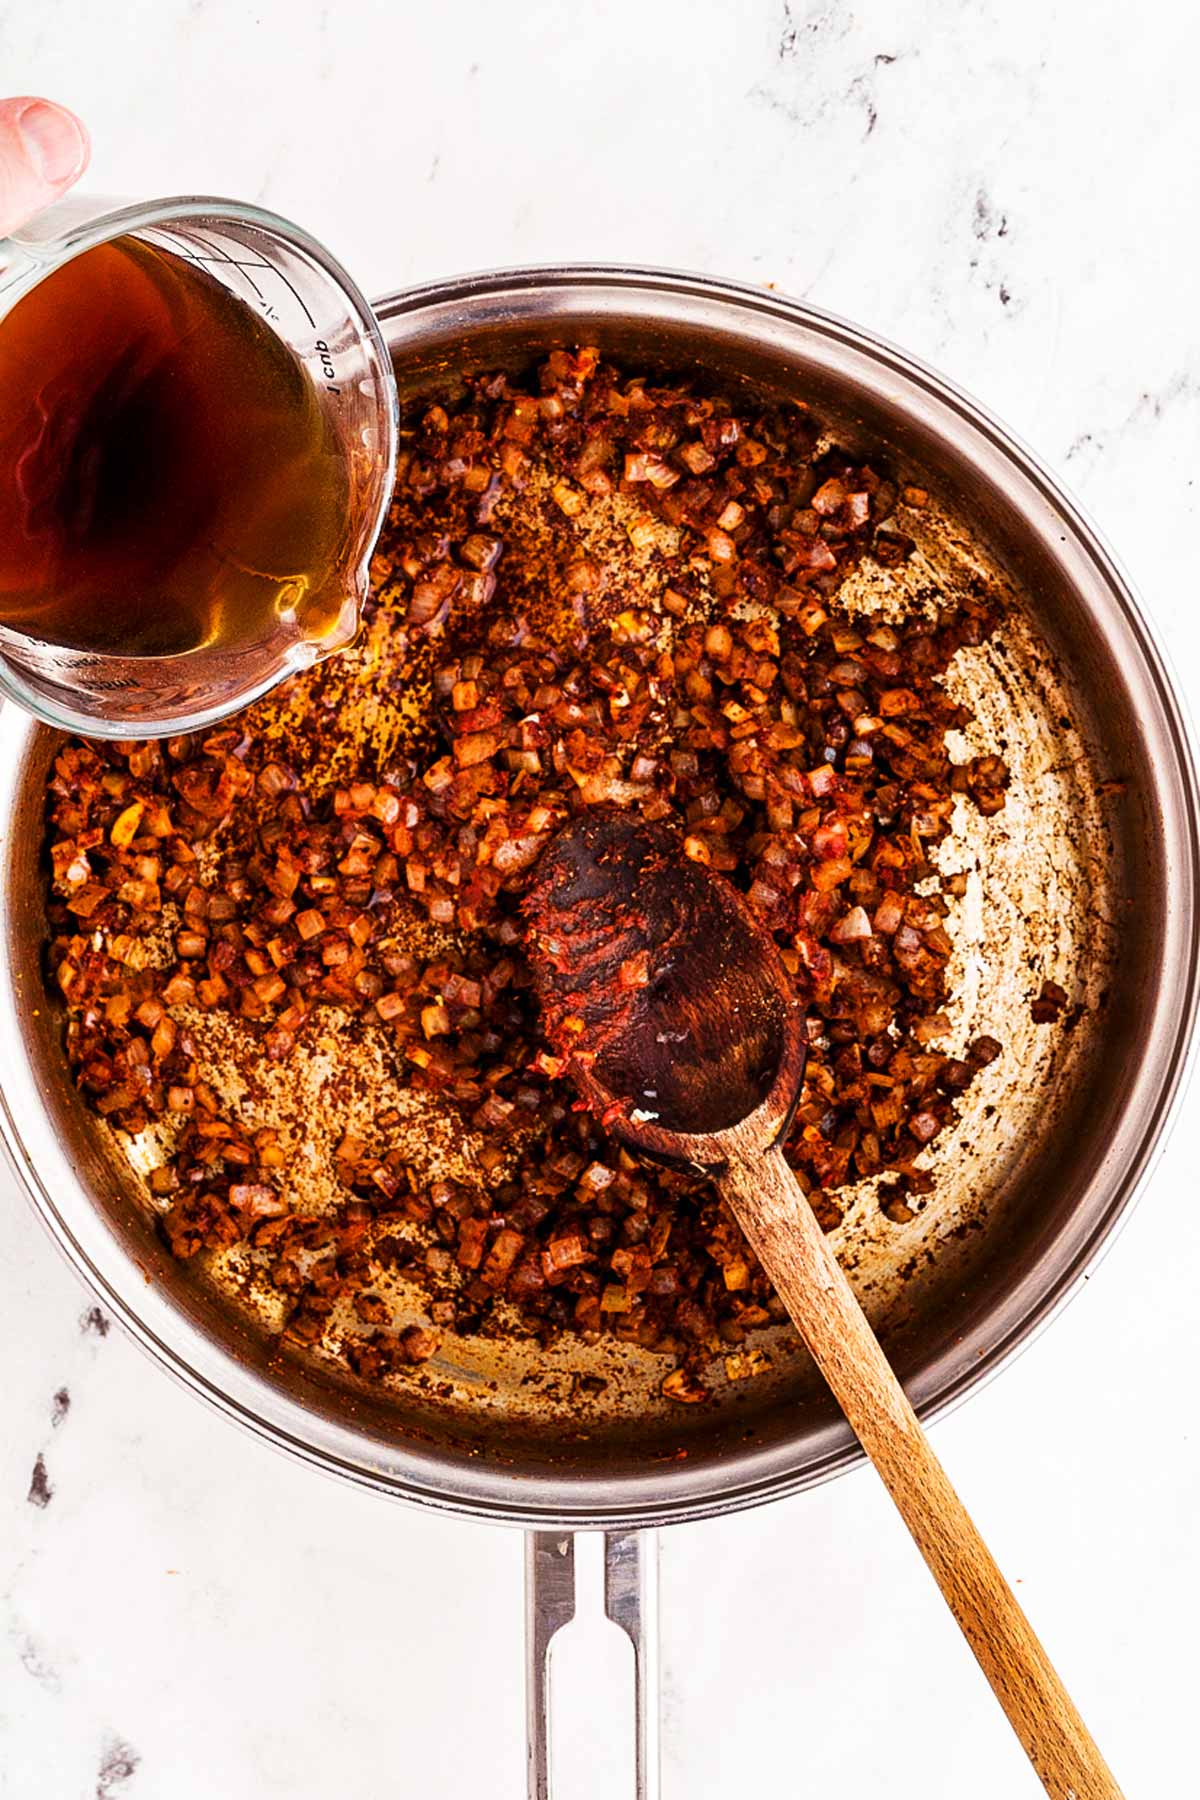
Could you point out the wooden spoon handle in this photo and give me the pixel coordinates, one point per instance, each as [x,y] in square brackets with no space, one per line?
[778,1221]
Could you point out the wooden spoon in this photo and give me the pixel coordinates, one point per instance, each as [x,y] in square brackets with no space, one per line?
[671,1004]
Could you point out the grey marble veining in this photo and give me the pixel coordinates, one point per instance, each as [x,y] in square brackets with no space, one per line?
[1009,191]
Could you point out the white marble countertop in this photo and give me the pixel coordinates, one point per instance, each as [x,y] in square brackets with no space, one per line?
[1010,193]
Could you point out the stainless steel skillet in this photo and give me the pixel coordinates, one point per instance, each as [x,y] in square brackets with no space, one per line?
[1088,877]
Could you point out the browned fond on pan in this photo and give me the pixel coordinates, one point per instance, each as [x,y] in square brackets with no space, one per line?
[1047,881]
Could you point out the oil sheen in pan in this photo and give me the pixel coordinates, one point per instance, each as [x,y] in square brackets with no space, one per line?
[1037,906]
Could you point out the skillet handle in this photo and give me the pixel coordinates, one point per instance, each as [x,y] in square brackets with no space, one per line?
[630,1601]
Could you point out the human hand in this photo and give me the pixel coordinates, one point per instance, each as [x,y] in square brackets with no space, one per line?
[44,149]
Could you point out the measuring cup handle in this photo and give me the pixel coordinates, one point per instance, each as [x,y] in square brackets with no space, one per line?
[630,1601]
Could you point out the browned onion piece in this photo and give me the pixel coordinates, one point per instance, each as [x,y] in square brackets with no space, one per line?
[594,590]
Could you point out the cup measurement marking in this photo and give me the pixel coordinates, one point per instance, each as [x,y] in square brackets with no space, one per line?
[220,257]
[327,369]
[217,255]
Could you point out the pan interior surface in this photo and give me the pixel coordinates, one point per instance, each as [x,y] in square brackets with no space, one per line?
[1086,878]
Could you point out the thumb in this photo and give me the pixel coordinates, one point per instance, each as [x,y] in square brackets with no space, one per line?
[43,150]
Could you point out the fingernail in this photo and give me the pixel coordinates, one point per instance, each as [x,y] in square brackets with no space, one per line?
[54,141]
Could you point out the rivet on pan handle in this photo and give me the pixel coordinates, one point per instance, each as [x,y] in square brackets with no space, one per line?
[631,1602]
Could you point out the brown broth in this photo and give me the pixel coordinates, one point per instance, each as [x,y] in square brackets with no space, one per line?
[168,479]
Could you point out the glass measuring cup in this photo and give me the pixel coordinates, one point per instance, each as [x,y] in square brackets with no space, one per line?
[314,308]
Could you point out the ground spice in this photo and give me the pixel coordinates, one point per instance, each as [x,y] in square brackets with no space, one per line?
[290,950]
